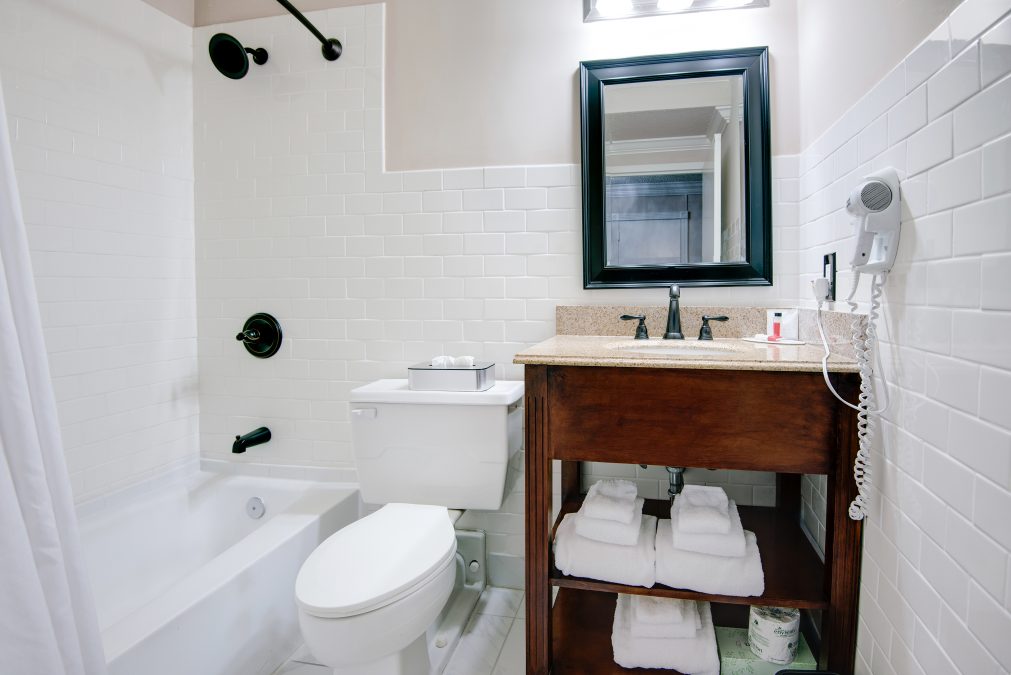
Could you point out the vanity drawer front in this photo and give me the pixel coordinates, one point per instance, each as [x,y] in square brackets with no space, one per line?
[727,419]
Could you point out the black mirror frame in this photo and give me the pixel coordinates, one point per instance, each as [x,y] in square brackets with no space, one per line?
[753,65]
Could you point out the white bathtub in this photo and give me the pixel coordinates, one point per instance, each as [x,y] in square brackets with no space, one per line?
[186,582]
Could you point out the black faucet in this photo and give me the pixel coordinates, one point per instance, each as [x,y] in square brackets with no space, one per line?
[706,332]
[254,437]
[674,316]
[640,330]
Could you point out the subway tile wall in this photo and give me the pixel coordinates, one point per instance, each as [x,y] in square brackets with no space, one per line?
[936,588]
[371,270]
[102,133]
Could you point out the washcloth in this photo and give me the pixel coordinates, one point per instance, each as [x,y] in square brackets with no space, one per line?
[581,557]
[730,544]
[444,361]
[704,509]
[709,573]
[664,609]
[611,531]
[611,500]
[651,609]
[687,655]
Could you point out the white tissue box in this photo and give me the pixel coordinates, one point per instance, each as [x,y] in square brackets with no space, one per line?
[736,657]
[479,377]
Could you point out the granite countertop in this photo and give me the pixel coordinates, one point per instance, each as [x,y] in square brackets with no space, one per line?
[719,354]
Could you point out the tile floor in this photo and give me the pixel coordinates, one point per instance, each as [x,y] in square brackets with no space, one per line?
[492,643]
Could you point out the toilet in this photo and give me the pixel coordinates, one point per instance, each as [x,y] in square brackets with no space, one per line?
[368,593]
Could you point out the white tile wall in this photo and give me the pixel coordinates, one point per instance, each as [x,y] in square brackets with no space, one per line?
[370,271]
[102,128]
[936,589]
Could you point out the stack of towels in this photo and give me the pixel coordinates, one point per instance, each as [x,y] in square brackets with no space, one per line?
[665,633]
[608,538]
[704,548]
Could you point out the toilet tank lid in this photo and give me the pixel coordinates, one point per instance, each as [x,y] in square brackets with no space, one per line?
[397,391]
[376,560]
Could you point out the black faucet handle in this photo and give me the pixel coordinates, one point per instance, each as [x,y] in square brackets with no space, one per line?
[251,335]
[706,333]
[640,330]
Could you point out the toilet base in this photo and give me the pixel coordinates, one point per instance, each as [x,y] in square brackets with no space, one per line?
[411,660]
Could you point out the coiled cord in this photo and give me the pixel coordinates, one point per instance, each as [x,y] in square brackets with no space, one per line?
[863,346]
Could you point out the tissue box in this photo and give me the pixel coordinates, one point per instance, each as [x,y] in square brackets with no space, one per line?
[736,657]
[423,377]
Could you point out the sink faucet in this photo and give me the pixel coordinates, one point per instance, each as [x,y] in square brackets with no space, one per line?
[254,437]
[674,315]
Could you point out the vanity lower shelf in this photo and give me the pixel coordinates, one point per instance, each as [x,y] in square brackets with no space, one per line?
[582,633]
[794,574]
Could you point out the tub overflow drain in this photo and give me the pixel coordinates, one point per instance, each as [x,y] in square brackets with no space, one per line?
[255,508]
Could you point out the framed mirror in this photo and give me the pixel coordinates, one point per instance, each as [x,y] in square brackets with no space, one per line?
[676,185]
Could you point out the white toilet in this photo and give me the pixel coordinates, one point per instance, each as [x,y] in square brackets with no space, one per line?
[368,593]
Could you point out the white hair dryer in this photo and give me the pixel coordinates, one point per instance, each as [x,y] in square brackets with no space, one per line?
[875,202]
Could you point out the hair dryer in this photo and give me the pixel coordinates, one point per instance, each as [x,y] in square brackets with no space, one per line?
[875,202]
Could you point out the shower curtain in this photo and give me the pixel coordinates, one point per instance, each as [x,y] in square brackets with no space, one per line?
[48,624]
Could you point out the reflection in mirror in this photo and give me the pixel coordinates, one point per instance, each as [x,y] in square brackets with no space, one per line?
[674,171]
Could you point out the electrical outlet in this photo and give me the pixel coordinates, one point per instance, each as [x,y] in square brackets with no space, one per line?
[828,272]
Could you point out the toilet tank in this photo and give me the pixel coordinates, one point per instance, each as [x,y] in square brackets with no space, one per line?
[435,447]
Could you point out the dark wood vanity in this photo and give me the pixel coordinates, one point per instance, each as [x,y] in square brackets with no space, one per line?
[754,416]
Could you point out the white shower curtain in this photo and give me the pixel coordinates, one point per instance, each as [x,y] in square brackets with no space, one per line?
[48,624]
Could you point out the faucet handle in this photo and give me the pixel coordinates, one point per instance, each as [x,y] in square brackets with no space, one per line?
[706,333]
[640,330]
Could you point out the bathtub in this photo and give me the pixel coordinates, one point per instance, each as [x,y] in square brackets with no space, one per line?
[186,582]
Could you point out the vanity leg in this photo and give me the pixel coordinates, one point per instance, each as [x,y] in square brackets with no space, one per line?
[842,548]
[538,525]
[570,480]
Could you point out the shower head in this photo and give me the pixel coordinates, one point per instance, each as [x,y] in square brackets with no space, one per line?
[229,56]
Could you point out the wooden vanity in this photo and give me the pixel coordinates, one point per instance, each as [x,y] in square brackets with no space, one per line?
[766,408]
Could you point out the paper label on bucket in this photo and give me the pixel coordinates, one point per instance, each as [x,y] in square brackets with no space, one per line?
[773,633]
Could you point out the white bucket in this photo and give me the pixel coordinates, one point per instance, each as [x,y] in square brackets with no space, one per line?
[773,633]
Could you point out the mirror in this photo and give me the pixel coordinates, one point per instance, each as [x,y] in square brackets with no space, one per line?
[676,170]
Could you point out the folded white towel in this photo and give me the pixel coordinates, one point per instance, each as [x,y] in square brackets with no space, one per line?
[581,557]
[688,655]
[444,361]
[709,573]
[611,531]
[704,509]
[658,614]
[730,544]
[652,609]
[614,487]
[611,499]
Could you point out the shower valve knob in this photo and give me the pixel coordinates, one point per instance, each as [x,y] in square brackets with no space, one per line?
[248,336]
[260,335]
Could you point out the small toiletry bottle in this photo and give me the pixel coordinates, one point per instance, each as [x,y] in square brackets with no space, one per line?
[777,326]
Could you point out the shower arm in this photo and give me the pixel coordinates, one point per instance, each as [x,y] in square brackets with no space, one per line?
[331,46]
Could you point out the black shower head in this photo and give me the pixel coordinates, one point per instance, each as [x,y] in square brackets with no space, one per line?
[229,56]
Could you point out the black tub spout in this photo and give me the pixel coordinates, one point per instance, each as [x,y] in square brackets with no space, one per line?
[254,437]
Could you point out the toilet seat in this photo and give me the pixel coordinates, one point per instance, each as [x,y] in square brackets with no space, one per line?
[376,560]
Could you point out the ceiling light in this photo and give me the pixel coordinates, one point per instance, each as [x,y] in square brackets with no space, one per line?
[673,5]
[614,8]
[598,10]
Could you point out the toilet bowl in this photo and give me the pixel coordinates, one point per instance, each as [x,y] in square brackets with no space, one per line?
[366,595]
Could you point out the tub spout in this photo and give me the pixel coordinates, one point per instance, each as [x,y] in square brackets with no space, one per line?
[254,437]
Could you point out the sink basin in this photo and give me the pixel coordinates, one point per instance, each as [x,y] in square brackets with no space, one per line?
[667,348]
